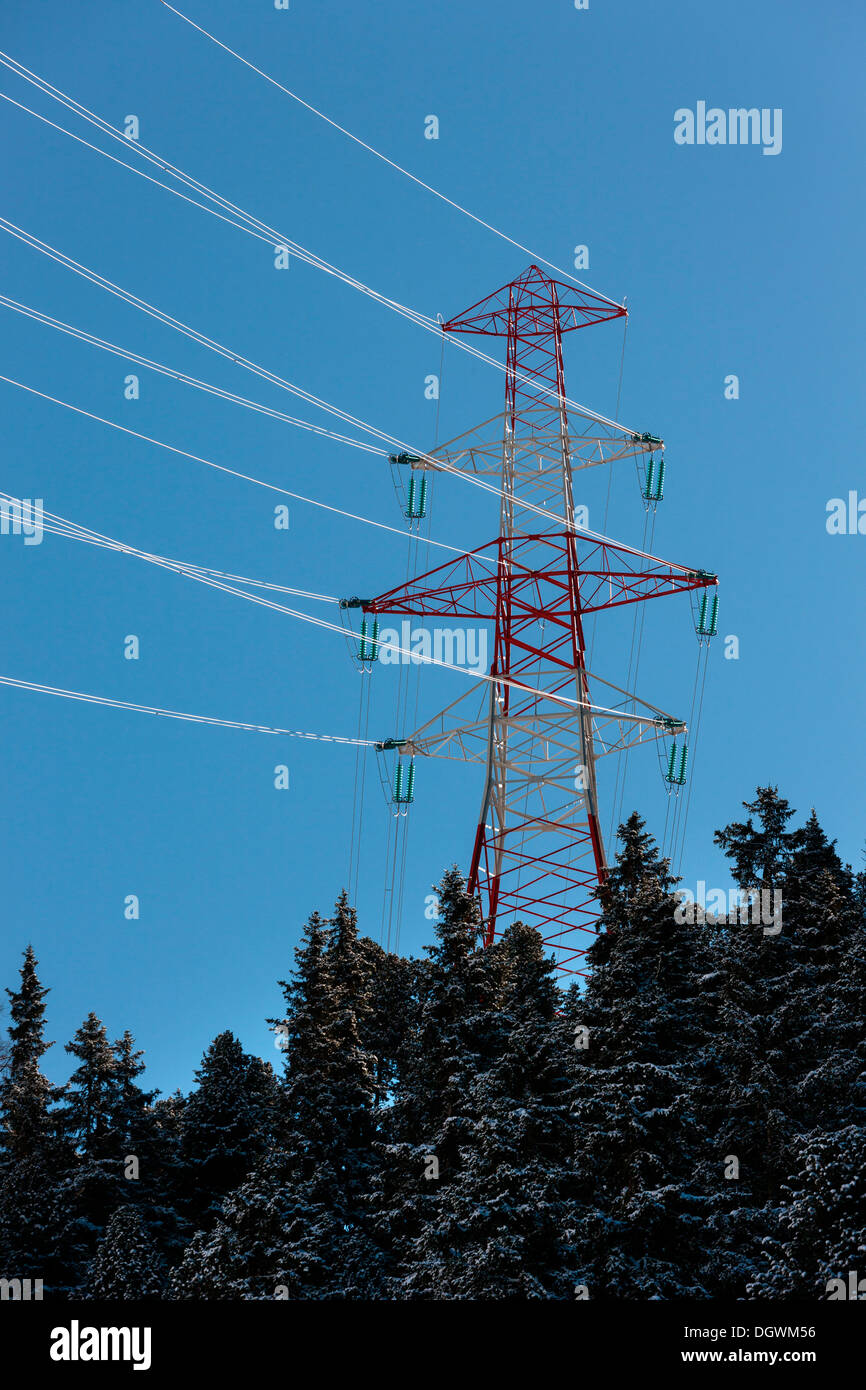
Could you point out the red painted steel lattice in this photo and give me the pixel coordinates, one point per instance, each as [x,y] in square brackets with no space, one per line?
[538,854]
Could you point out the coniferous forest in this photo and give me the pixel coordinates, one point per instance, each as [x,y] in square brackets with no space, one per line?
[687,1121]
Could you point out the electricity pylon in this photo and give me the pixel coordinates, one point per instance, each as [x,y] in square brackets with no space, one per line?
[539,853]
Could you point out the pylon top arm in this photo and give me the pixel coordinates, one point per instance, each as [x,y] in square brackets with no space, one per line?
[535,306]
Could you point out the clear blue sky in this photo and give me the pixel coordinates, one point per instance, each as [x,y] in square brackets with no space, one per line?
[556,125]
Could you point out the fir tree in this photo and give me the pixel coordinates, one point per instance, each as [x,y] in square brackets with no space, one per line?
[35,1222]
[820,1230]
[393,982]
[5,1057]
[145,1145]
[761,855]
[689,1123]
[33,1159]
[89,1109]
[450,1035]
[777,1038]
[26,1095]
[841,1078]
[496,1223]
[293,1228]
[455,1032]
[120,1156]
[131,1107]
[126,1264]
[818,1017]
[93,1185]
[226,1125]
[354,1067]
[640,1050]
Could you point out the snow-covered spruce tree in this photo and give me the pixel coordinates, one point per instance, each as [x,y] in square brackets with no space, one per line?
[126,1264]
[842,1075]
[750,1118]
[860,886]
[455,1032]
[496,1223]
[776,1045]
[640,1049]
[824,921]
[81,1179]
[226,1125]
[347,966]
[86,1116]
[293,1228]
[131,1106]
[145,1146]
[33,1156]
[93,1185]
[384,1027]
[452,1034]
[5,1053]
[820,1228]
[26,1095]
[761,854]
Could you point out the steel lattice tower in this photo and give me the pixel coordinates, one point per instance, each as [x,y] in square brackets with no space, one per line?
[538,853]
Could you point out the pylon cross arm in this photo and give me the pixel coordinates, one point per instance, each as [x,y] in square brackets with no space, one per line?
[572,583]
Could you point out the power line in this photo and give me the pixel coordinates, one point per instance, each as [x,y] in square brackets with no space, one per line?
[254,226]
[378,153]
[232,472]
[214,577]
[172,713]
[95,278]
[215,581]
[161,316]
[205,577]
[441,466]
[184,378]
[202,339]
[71,530]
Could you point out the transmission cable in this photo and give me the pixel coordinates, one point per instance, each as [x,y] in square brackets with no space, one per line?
[232,472]
[379,155]
[171,713]
[255,227]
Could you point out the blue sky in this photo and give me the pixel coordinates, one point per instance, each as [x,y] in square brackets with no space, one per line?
[557,126]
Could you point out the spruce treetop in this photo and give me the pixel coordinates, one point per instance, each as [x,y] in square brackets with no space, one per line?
[761,855]
[27,1010]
